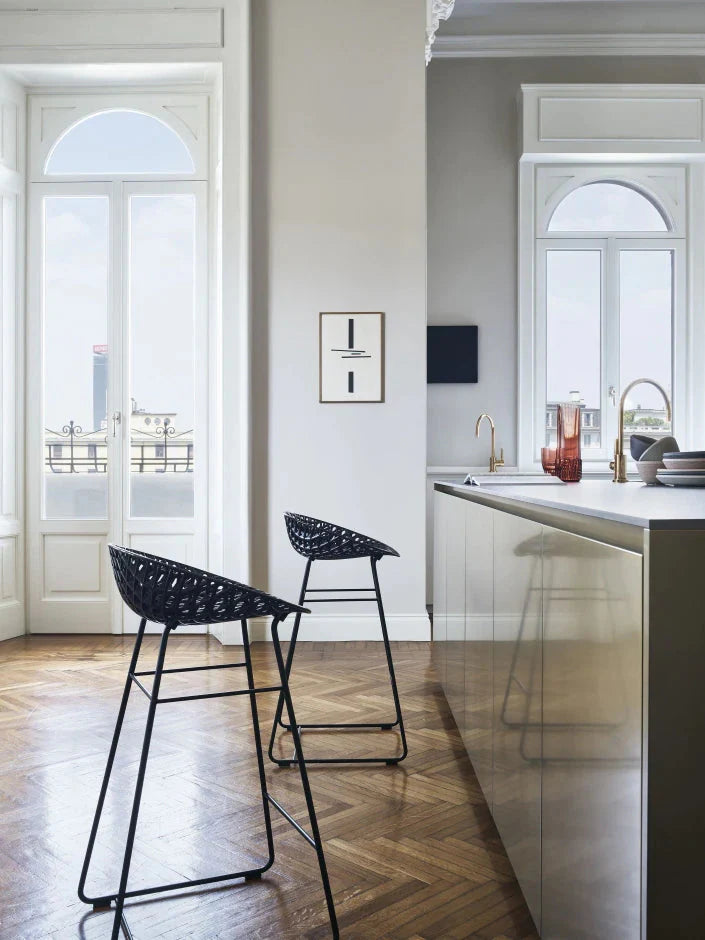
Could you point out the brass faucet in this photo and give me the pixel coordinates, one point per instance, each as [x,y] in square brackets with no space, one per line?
[494,461]
[619,464]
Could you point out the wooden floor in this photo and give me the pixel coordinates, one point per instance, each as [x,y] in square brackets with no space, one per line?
[411,849]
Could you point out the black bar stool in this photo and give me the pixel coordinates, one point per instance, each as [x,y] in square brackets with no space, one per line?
[323,541]
[173,594]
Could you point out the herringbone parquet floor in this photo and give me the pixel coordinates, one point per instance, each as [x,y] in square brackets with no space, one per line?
[412,851]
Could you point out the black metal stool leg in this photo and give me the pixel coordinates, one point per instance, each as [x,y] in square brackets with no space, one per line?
[316,840]
[260,755]
[390,665]
[120,899]
[383,726]
[289,660]
[99,902]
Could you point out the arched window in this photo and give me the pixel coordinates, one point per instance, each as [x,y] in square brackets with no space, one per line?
[609,299]
[607,206]
[119,141]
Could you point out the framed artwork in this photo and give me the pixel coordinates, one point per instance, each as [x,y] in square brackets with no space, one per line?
[351,357]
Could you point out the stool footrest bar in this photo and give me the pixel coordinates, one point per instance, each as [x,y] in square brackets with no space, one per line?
[140,686]
[193,698]
[334,590]
[289,818]
[126,927]
[341,600]
[151,672]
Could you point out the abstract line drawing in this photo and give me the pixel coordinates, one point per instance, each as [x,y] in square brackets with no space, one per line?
[351,357]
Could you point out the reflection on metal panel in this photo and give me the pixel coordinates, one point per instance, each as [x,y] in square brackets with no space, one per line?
[591,747]
[517,699]
[455,613]
[477,725]
[440,512]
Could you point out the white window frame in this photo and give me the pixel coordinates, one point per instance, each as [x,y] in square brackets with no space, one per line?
[541,188]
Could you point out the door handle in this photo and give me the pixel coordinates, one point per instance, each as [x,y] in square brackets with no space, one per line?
[612,392]
[117,418]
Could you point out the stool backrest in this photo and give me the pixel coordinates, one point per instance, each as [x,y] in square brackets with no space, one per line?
[169,592]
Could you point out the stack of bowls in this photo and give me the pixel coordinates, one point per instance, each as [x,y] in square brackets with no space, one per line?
[683,468]
[650,454]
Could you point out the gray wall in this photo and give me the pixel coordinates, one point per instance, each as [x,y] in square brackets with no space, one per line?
[339,223]
[472,225]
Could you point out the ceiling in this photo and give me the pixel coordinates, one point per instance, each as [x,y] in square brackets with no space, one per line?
[527,17]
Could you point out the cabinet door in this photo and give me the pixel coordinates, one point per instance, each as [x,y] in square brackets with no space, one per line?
[455,609]
[440,505]
[591,748]
[477,724]
[516,670]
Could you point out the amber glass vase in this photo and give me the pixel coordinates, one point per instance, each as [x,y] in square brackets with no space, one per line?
[569,463]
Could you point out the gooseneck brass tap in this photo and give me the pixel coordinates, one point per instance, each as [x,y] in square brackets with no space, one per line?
[619,464]
[494,461]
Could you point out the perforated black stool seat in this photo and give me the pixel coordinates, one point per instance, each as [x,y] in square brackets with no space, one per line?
[170,592]
[173,594]
[324,541]
[317,540]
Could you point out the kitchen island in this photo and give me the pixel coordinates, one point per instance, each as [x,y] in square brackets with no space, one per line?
[569,637]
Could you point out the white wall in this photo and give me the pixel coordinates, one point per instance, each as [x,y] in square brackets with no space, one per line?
[339,216]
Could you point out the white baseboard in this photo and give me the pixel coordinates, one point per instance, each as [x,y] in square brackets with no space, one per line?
[329,627]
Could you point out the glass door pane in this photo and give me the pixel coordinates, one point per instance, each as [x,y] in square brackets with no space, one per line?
[161,338]
[573,339]
[646,341]
[75,362]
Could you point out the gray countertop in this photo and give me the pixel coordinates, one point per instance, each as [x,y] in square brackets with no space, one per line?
[649,507]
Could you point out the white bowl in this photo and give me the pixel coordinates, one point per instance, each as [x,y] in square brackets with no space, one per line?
[647,470]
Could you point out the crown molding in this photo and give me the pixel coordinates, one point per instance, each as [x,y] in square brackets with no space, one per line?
[436,10]
[568,44]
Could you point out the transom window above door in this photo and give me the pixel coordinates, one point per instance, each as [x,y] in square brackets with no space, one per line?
[119,142]
[609,303]
[129,136]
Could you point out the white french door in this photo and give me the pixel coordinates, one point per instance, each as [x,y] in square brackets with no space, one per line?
[117,390]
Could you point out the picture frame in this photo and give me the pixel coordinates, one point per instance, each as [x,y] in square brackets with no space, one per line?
[351,358]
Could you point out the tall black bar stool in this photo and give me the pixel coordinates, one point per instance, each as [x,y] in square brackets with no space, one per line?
[323,541]
[173,594]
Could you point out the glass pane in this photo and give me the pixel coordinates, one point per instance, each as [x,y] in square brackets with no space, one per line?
[606,207]
[645,324]
[573,311]
[75,356]
[162,230]
[120,142]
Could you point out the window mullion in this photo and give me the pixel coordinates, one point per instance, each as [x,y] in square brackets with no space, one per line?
[610,344]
